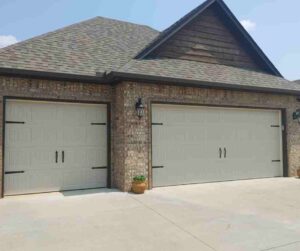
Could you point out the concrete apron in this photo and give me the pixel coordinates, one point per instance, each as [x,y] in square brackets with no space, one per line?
[240,215]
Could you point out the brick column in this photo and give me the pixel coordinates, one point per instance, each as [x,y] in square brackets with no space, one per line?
[131,137]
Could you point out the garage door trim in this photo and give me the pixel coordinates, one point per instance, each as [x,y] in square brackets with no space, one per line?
[108,105]
[283,123]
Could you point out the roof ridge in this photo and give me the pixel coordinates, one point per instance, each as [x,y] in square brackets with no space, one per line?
[46,34]
[69,27]
[191,13]
[126,22]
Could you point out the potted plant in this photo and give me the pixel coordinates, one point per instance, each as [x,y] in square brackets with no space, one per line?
[139,184]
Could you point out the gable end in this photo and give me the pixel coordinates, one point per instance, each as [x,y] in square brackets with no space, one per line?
[210,34]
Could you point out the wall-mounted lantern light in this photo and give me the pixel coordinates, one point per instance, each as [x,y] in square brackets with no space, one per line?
[139,107]
[296,115]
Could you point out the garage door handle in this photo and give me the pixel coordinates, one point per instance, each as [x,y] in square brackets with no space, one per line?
[220,152]
[63,156]
[225,152]
[56,156]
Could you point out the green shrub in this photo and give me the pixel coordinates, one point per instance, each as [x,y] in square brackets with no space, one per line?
[140,178]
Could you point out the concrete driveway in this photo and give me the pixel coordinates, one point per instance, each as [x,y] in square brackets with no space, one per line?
[241,215]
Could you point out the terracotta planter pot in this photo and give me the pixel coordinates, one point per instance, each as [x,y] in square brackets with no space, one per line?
[298,173]
[138,187]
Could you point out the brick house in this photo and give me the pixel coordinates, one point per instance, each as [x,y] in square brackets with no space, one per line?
[98,102]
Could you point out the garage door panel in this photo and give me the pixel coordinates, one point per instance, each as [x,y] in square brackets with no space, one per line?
[236,117]
[97,115]
[74,156]
[29,158]
[188,144]
[95,135]
[223,132]
[50,128]
[45,116]
[71,114]
[17,135]
[42,135]
[165,177]
[83,178]
[158,133]
[174,153]
[17,112]
[71,135]
[158,116]
[85,156]
[187,174]
[267,117]
[193,119]
[178,134]
[175,133]
[158,155]
[33,182]
[97,156]
[17,158]
[211,115]
[205,172]
[213,132]
[42,157]
[242,134]
[194,133]
[187,152]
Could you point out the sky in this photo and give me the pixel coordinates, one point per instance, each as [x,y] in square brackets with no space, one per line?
[274,24]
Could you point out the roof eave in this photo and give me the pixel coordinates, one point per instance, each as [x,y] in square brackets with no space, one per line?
[114,77]
[99,78]
[196,83]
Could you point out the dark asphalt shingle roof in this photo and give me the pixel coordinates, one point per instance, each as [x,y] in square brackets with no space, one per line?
[204,72]
[102,44]
[96,45]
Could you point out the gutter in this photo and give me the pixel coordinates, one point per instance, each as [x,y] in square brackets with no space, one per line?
[99,78]
[114,77]
[195,83]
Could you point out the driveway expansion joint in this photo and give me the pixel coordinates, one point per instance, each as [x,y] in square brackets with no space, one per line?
[280,246]
[176,225]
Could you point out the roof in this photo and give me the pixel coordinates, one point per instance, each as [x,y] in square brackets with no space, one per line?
[98,44]
[231,20]
[103,50]
[208,74]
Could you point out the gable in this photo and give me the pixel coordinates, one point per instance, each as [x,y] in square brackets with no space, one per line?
[207,40]
[210,34]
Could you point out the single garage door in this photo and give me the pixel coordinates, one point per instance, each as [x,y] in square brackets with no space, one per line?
[195,144]
[54,146]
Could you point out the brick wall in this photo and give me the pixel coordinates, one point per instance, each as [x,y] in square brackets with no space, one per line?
[131,139]
[134,150]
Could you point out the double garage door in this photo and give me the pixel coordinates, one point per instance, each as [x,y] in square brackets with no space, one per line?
[54,146]
[194,144]
[63,146]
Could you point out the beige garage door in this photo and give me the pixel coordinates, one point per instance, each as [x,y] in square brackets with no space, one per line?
[194,144]
[54,146]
